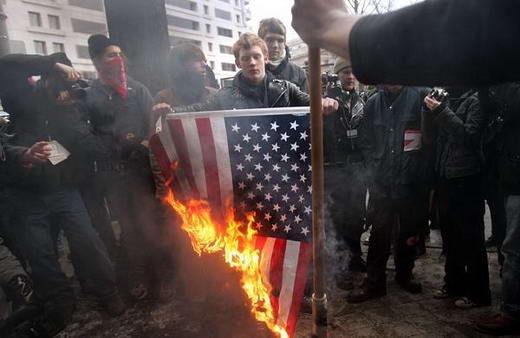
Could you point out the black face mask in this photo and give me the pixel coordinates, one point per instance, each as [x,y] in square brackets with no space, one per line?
[190,87]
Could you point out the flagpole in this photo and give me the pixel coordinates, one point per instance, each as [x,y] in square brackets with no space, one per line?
[319,297]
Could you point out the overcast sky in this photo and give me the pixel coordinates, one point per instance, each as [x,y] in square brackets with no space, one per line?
[282,9]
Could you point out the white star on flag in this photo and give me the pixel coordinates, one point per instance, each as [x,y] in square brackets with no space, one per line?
[284,137]
[294,125]
[257,147]
[274,126]
[238,147]
[265,137]
[304,136]
[235,128]
[246,138]
[275,147]
[255,127]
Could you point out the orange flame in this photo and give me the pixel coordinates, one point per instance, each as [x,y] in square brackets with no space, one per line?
[237,243]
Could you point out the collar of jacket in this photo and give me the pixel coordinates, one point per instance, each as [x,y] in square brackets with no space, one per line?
[273,89]
[278,69]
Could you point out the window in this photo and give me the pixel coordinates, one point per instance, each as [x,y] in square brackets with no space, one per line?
[212,64]
[228,67]
[54,22]
[87,27]
[224,32]
[226,49]
[58,47]
[210,46]
[238,18]
[219,13]
[89,75]
[208,28]
[35,19]
[175,40]
[40,47]
[236,3]
[96,5]
[82,52]
[225,1]
[182,23]
[239,33]
[206,9]
[186,4]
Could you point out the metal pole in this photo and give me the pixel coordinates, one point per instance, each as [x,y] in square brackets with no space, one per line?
[319,297]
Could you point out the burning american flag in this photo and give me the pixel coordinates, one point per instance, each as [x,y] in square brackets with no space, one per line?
[254,166]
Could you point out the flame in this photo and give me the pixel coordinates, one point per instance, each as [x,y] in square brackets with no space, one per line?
[236,240]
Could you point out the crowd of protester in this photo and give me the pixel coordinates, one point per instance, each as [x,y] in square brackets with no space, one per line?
[75,157]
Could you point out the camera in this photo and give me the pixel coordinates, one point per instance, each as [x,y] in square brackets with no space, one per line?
[439,94]
[78,90]
[330,79]
[332,84]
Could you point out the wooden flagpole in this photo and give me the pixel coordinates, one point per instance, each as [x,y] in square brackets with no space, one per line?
[319,297]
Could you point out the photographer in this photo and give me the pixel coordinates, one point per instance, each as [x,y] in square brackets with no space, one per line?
[458,123]
[51,140]
[344,163]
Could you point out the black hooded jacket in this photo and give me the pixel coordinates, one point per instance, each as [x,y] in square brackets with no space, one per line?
[35,116]
[504,120]
[243,95]
[460,124]
[289,71]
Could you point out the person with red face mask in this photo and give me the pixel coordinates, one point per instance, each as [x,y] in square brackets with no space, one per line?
[120,113]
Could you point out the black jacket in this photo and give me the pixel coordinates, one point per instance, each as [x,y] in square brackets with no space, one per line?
[37,117]
[289,71]
[243,95]
[460,126]
[121,124]
[504,117]
[439,42]
[341,134]
[397,166]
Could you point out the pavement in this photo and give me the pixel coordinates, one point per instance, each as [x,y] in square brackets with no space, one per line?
[398,314]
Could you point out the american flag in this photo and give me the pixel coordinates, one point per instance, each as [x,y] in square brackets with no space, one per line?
[258,160]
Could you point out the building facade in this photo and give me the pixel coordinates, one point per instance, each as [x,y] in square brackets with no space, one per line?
[300,55]
[48,26]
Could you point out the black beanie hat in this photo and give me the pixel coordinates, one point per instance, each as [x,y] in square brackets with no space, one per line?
[97,44]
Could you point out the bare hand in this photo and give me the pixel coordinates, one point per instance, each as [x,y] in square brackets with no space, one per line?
[329,105]
[324,24]
[69,73]
[431,103]
[38,152]
[162,109]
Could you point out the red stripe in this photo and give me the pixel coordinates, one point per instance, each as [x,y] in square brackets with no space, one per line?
[260,242]
[179,139]
[299,285]
[207,145]
[162,158]
[276,273]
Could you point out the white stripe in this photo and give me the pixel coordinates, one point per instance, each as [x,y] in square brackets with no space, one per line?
[218,129]
[265,258]
[195,153]
[290,265]
[169,147]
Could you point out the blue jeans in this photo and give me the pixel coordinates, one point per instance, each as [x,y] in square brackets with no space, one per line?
[511,251]
[64,207]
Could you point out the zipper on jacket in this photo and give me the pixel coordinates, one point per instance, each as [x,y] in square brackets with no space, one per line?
[279,97]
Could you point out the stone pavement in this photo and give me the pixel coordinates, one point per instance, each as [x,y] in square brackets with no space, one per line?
[401,314]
